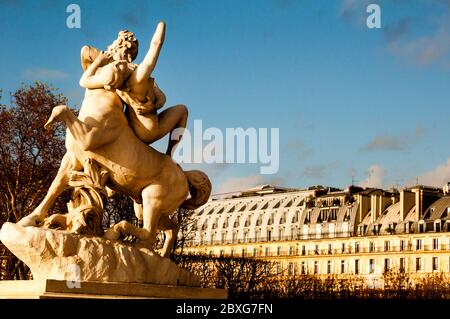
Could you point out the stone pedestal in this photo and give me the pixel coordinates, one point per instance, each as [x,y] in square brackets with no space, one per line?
[49,289]
[60,255]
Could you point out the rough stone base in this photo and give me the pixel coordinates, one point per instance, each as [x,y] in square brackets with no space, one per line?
[58,289]
[59,255]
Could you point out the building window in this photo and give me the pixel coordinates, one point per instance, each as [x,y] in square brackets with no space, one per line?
[304,267]
[329,267]
[371,247]
[278,251]
[333,214]
[357,247]
[316,267]
[308,217]
[435,243]
[269,235]
[236,222]
[291,250]
[231,252]
[376,229]
[257,235]
[259,221]
[402,245]
[267,251]
[281,234]
[278,269]
[294,233]
[322,216]
[222,253]
[330,248]
[418,264]
[371,266]
[343,248]
[243,252]
[421,228]
[316,249]
[255,252]
[267,269]
[435,263]
[357,266]
[303,250]
[437,227]
[387,245]
[361,230]
[270,221]
[387,264]
[342,266]
[223,238]
[418,244]
[402,265]
[291,269]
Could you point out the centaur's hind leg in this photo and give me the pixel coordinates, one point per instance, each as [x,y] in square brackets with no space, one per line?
[138,211]
[165,224]
[170,229]
[69,163]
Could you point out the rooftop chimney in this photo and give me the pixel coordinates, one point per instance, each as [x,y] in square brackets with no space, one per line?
[407,201]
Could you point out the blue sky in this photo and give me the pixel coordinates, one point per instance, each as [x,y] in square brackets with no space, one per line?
[348,100]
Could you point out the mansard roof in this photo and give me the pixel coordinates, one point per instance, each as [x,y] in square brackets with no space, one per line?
[440,209]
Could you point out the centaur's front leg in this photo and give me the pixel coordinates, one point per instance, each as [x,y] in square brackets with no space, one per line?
[69,163]
[87,137]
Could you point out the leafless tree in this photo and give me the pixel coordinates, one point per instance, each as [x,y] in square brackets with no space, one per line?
[29,159]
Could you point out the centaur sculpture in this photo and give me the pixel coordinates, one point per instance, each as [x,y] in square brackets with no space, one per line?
[118,141]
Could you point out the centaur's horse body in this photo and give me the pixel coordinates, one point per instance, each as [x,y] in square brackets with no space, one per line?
[102,133]
[132,164]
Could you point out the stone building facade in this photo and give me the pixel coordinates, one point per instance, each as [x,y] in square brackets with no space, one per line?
[330,231]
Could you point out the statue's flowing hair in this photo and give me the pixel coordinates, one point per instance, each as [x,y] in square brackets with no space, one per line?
[126,39]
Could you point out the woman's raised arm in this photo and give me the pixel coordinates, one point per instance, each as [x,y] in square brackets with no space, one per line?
[145,69]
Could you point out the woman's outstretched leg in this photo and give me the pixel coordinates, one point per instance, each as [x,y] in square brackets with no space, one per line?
[173,118]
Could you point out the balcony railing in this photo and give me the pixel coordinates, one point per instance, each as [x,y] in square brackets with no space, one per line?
[298,251]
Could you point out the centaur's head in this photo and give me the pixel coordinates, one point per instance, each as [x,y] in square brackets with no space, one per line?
[125,47]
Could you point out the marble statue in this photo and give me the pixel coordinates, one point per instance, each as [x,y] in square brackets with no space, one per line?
[108,149]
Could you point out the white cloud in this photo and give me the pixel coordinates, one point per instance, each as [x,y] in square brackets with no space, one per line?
[387,142]
[439,176]
[375,177]
[44,74]
[350,8]
[424,50]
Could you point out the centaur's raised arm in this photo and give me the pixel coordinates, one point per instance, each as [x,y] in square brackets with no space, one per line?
[91,80]
[145,69]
